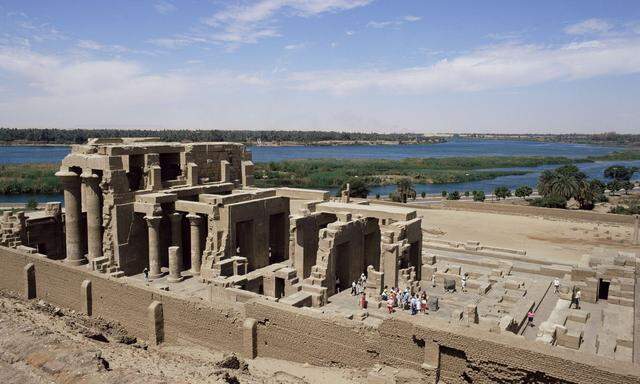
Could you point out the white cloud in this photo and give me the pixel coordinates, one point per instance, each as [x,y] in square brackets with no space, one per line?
[393,23]
[71,90]
[164,7]
[384,24]
[249,23]
[494,67]
[350,33]
[95,46]
[294,47]
[590,26]
[176,41]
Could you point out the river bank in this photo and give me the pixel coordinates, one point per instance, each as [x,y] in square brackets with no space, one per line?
[462,165]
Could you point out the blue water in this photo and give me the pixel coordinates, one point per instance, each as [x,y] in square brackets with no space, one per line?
[453,148]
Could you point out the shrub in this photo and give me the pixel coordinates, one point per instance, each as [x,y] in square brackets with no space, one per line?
[31,204]
[523,191]
[466,193]
[550,201]
[478,196]
[444,193]
[502,192]
[423,194]
[622,210]
[455,195]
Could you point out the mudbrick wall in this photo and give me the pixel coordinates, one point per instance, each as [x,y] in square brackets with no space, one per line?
[457,354]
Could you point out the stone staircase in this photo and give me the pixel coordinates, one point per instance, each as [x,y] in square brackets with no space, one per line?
[103,265]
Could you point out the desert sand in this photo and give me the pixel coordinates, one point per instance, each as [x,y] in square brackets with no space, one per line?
[550,239]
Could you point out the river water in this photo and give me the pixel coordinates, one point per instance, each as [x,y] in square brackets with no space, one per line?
[453,148]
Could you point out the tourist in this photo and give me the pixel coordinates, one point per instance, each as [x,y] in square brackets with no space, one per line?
[414,305]
[405,298]
[556,285]
[576,299]
[418,304]
[363,278]
[363,301]
[385,293]
[423,302]
[390,302]
[464,283]
[530,316]
[145,272]
[354,291]
[433,281]
[337,285]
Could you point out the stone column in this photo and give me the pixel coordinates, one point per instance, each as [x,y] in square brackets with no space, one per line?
[196,252]
[94,214]
[153,223]
[176,229]
[72,207]
[175,265]
[636,230]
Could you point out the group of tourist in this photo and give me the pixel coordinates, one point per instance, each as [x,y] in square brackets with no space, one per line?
[357,287]
[405,300]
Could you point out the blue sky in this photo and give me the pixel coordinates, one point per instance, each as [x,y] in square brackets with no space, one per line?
[354,65]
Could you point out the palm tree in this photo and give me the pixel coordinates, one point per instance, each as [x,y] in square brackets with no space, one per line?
[404,190]
[564,186]
[544,182]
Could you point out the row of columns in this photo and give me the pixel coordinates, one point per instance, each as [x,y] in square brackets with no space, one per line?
[175,251]
[71,184]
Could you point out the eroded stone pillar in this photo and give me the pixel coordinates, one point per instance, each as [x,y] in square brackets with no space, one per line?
[94,214]
[175,265]
[153,225]
[72,206]
[196,251]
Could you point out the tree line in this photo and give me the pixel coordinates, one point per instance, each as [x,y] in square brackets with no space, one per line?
[79,136]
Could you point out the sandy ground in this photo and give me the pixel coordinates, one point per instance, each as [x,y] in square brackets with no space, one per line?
[541,238]
[43,344]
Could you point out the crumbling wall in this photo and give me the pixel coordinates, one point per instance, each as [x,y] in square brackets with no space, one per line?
[284,332]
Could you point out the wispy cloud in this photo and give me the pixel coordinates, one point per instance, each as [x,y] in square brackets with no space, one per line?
[294,47]
[164,7]
[59,84]
[248,23]
[494,67]
[590,26]
[95,46]
[395,23]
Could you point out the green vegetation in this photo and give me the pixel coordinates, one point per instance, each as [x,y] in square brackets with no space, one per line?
[523,191]
[31,205]
[334,173]
[502,192]
[567,182]
[478,195]
[404,190]
[79,136]
[628,205]
[357,188]
[455,195]
[331,173]
[18,179]
[607,138]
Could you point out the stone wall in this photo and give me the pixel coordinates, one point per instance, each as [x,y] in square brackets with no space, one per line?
[285,332]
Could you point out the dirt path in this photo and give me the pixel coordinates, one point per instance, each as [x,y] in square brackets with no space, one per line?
[43,344]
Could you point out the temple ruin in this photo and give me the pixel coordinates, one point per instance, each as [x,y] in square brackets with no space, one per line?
[185,220]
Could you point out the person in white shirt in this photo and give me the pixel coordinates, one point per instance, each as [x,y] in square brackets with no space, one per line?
[556,285]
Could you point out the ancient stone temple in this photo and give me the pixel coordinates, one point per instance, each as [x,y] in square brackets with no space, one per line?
[128,201]
[173,241]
